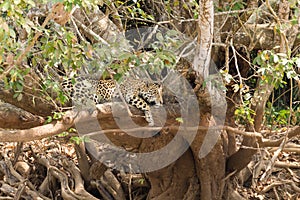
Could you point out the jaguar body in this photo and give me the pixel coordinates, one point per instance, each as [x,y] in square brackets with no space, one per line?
[136,92]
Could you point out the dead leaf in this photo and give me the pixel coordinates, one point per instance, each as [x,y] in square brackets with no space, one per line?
[3,25]
[10,59]
[60,15]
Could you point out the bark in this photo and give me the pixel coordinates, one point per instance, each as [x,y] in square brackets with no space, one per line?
[211,168]
[209,159]
[31,101]
[98,28]
[243,156]
[12,117]
[38,132]
[174,179]
[205,38]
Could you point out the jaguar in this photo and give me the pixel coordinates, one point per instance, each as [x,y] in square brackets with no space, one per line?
[136,92]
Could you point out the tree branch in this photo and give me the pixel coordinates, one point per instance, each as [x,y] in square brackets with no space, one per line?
[40,131]
[12,117]
[31,100]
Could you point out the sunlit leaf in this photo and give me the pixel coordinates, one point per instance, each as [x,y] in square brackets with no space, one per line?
[179,119]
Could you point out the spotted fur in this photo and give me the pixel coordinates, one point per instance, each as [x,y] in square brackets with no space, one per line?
[136,92]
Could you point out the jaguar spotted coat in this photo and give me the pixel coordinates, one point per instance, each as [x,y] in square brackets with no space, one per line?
[136,92]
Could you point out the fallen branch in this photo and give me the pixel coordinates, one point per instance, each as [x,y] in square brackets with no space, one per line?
[112,185]
[295,187]
[295,150]
[272,185]
[14,178]
[275,143]
[282,164]
[66,191]
[79,186]
[105,195]
[8,190]
[83,161]
[284,182]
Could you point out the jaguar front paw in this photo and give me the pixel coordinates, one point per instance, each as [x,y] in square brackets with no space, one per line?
[149,118]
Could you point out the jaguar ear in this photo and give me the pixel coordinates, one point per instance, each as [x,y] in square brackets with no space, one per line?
[149,84]
[160,85]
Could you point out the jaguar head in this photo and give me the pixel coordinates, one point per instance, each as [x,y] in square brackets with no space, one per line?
[153,94]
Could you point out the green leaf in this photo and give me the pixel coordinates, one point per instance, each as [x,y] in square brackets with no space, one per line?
[63,134]
[30,2]
[72,130]
[17,2]
[151,17]
[179,119]
[238,6]
[185,6]
[12,33]
[58,115]
[19,86]
[159,37]
[79,140]
[257,60]
[26,71]
[176,3]
[172,33]
[117,76]
[297,62]
[19,98]
[5,6]
[48,120]
[16,95]
[227,77]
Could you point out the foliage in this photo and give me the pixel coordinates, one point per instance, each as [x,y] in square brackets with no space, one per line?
[244,114]
[231,6]
[55,116]
[15,81]
[274,66]
[272,69]
[179,119]
[78,140]
[279,117]
[60,49]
